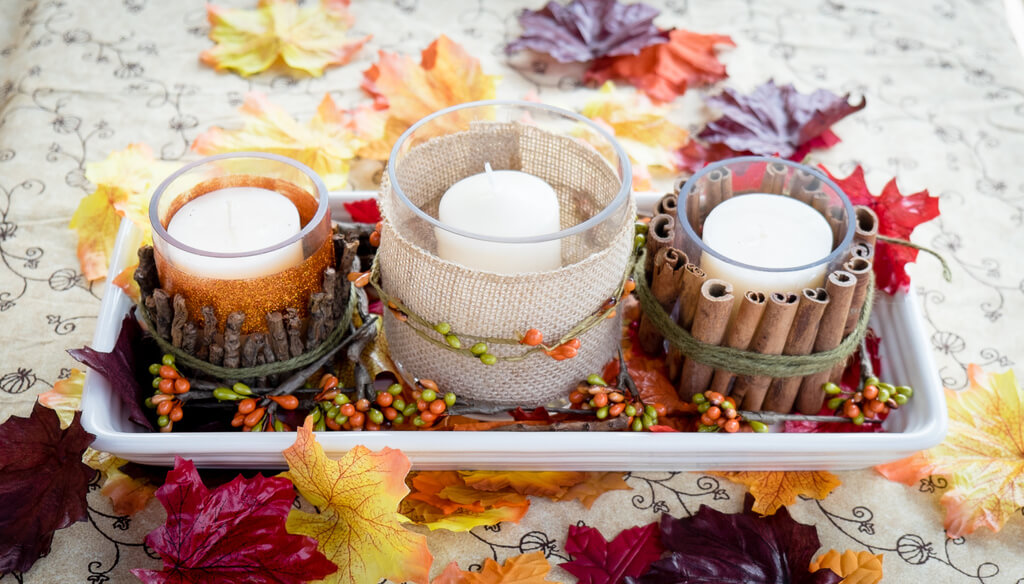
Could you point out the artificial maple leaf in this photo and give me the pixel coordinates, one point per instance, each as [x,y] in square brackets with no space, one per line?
[855,567]
[461,520]
[774,119]
[309,38]
[666,70]
[593,486]
[774,489]
[43,482]
[711,546]
[128,494]
[119,367]
[451,575]
[124,182]
[584,30]
[650,139]
[364,211]
[650,376]
[358,526]
[540,483]
[596,561]
[528,568]
[327,144]
[234,533]
[446,75]
[982,455]
[66,397]
[898,216]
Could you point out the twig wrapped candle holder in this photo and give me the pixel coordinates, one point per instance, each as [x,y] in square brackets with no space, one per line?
[496,309]
[778,291]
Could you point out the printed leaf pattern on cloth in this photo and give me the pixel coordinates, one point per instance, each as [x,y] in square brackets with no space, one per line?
[43,482]
[982,455]
[309,38]
[775,489]
[124,183]
[531,568]
[855,567]
[712,546]
[66,397]
[650,139]
[898,216]
[776,120]
[583,30]
[358,526]
[596,561]
[666,70]
[234,533]
[128,495]
[327,143]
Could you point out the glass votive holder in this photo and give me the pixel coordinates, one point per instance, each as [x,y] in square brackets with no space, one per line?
[501,217]
[243,232]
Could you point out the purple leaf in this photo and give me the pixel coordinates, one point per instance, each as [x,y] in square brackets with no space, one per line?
[596,561]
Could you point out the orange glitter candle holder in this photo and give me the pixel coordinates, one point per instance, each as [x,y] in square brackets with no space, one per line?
[282,277]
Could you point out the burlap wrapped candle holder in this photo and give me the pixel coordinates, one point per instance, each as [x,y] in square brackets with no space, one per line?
[572,305]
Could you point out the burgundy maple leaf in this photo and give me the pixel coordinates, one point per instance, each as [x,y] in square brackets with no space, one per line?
[596,561]
[43,483]
[898,215]
[233,534]
[584,30]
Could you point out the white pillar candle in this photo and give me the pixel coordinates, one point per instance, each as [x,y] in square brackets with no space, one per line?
[766,231]
[500,203]
[235,220]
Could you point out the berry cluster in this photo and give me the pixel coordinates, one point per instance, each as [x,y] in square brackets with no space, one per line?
[719,413]
[611,402]
[336,410]
[256,413]
[169,385]
[874,400]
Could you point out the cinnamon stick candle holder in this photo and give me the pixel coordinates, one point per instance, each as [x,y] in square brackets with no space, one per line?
[512,308]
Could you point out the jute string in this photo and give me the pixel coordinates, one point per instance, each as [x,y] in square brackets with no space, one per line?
[219,372]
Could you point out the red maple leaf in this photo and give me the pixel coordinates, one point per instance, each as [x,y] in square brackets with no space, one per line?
[364,211]
[596,561]
[235,533]
[43,483]
[898,215]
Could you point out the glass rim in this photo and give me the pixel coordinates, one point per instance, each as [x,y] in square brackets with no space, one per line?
[310,227]
[625,170]
[843,244]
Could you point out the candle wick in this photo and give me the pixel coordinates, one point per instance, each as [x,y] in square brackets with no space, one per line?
[490,178]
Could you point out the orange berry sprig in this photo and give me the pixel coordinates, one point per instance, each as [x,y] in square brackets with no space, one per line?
[169,384]
[719,413]
[874,400]
[611,402]
[336,410]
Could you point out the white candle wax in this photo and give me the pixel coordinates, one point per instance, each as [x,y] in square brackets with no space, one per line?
[766,231]
[500,203]
[235,220]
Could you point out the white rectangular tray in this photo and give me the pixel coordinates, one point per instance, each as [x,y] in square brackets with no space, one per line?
[905,354]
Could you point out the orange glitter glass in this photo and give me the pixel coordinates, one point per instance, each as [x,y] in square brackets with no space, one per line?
[291,285]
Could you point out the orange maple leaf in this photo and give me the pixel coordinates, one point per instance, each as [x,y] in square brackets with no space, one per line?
[128,495]
[982,455]
[774,489]
[358,527]
[126,282]
[541,483]
[441,500]
[855,567]
[595,485]
[66,397]
[451,575]
[528,568]
[668,69]
[309,38]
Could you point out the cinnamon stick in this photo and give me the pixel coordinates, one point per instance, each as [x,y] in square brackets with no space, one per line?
[867,225]
[669,205]
[783,391]
[660,233]
[740,332]
[840,286]
[692,206]
[713,310]
[665,284]
[803,185]
[774,178]
[689,292]
[724,180]
[712,193]
[861,269]
[769,339]
[862,249]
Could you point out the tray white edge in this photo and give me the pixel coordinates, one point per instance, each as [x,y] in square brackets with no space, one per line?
[905,353]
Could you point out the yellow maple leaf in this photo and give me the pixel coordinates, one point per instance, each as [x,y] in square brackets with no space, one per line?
[650,139]
[442,500]
[855,567]
[128,495]
[327,144]
[425,514]
[982,455]
[446,75]
[358,527]
[126,282]
[774,489]
[539,483]
[528,568]
[309,38]
[66,397]
[124,181]
[593,486]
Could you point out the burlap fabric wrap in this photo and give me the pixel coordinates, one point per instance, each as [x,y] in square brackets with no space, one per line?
[483,304]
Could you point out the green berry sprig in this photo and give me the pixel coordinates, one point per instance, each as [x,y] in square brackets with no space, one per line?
[169,384]
[874,400]
[718,413]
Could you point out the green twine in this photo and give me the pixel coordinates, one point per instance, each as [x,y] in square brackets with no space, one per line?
[267,369]
[743,362]
[947,274]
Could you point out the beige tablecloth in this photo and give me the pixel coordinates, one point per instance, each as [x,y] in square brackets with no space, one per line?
[945,88]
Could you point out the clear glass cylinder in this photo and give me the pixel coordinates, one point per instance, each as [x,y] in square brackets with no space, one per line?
[243,232]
